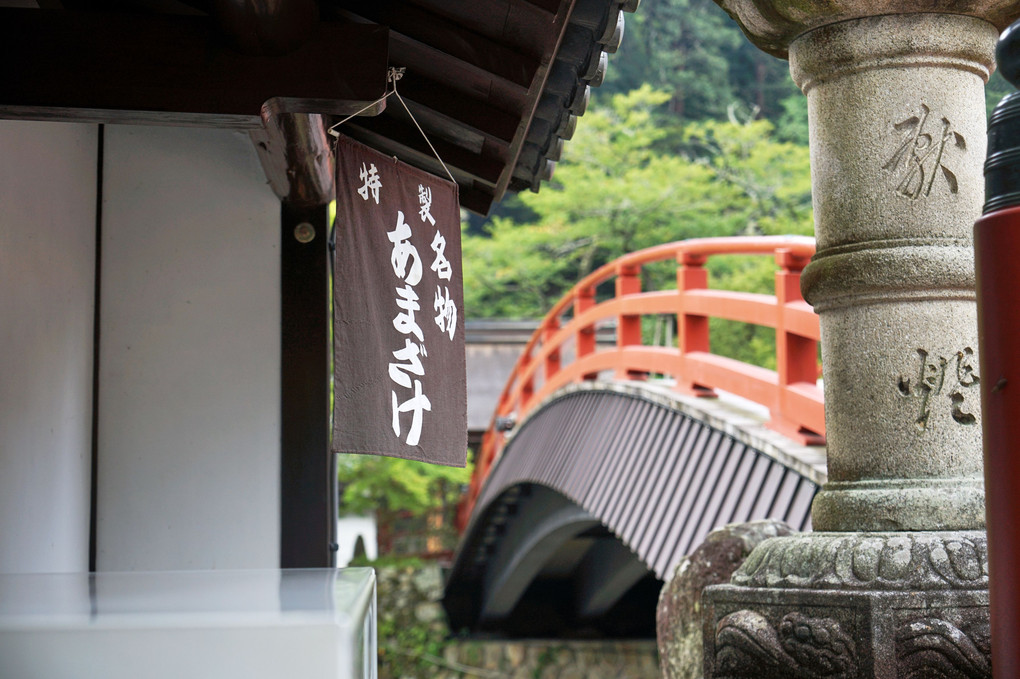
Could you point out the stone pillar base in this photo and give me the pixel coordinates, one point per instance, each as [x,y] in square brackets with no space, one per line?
[854,606]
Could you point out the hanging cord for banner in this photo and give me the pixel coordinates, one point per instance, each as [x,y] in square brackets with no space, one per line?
[393,74]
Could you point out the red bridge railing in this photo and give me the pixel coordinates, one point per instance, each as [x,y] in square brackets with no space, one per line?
[791,392]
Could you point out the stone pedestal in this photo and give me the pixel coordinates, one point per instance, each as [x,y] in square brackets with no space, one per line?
[846,605]
[895,582]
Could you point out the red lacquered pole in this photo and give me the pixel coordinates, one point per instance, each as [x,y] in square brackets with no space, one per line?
[996,257]
[997,254]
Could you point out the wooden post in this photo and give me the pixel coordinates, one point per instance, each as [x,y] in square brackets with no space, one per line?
[796,355]
[552,360]
[692,329]
[628,326]
[528,388]
[585,338]
[996,245]
[307,468]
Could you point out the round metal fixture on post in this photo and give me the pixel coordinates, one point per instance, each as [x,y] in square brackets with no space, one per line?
[304,232]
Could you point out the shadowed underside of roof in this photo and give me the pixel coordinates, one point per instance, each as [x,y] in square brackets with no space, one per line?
[497,85]
[598,495]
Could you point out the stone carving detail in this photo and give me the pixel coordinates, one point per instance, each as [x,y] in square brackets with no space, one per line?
[930,648]
[870,561]
[678,616]
[941,375]
[747,645]
[920,153]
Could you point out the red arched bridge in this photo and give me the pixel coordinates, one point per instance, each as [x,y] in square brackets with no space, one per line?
[604,466]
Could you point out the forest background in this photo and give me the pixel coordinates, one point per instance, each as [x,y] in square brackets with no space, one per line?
[695,132]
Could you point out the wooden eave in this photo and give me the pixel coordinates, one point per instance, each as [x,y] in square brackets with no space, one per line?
[495,84]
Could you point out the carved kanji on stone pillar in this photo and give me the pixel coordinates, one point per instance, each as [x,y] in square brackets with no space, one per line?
[894,581]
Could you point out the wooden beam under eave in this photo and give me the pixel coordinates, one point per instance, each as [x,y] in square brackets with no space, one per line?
[395,134]
[177,70]
[478,200]
[550,6]
[465,78]
[295,153]
[563,8]
[512,22]
[475,113]
[447,36]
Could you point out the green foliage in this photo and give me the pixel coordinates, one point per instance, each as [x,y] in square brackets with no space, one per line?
[618,189]
[633,178]
[372,483]
[743,341]
[792,124]
[387,561]
[694,51]
[408,649]
[771,180]
[409,644]
[546,658]
[995,90]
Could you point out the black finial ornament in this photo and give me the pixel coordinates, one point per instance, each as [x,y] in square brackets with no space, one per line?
[1007,54]
[1002,166]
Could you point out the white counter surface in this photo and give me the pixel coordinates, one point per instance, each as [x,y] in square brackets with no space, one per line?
[255,624]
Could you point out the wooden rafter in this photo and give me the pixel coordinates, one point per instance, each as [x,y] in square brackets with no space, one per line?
[162,69]
[416,24]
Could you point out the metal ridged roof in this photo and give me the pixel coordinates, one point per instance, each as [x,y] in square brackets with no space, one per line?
[657,477]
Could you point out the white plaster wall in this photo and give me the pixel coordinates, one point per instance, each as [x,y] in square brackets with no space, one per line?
[47,273]
[189,415]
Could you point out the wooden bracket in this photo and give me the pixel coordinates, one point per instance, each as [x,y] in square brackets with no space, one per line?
[295,154]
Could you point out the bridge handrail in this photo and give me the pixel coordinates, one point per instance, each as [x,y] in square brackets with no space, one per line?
[790,392]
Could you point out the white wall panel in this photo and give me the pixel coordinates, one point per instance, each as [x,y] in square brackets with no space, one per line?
[47,273]
[189,423]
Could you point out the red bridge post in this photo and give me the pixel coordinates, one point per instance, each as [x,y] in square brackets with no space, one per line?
[628,326]
[692,329]
[585,338]
[796,355]
[552,360]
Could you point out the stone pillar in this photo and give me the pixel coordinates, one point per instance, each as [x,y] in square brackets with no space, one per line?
[897,114]
[894,580]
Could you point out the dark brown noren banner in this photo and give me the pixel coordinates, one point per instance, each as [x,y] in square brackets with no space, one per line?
[401,387]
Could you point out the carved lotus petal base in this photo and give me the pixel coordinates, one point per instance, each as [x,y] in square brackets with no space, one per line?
[898,561]
[853,606]
[799,634]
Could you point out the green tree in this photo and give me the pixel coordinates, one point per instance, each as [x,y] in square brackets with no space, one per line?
[774,181]
[693,50]
[771,179]
[995,90]
[792,125]
[680,46]
[632,179]
[372,483]
[617,190]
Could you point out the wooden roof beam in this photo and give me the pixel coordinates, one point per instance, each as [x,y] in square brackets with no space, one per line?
[521,25]
[475,113]
[177,70]
[419,25]
[295,153]
[460,76]
[404,135]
